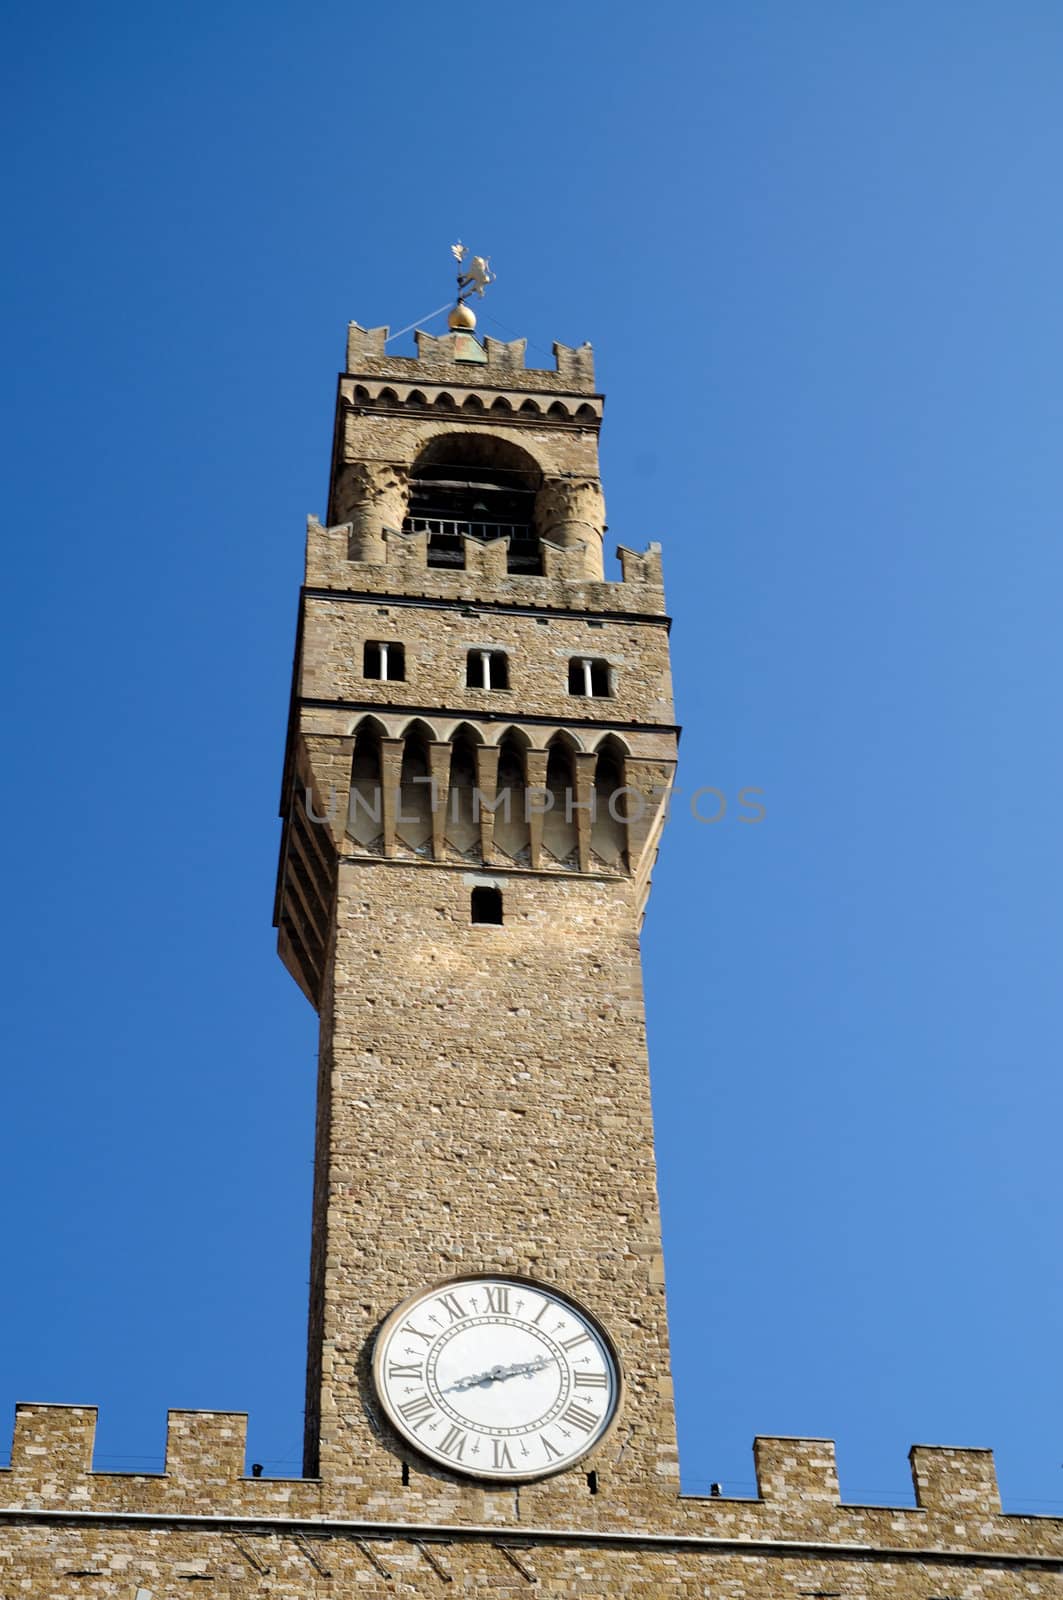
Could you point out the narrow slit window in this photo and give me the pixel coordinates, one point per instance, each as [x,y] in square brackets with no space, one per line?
[590,677]
[487,669]
[487,906]
[384,660]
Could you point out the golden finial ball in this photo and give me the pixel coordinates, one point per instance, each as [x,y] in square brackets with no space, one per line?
[461,319]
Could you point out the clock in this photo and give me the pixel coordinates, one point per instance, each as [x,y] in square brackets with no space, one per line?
[497,1378]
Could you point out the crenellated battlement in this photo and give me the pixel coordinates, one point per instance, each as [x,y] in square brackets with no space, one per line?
[451,355]
[403,568]
[79,1532]
[52,1454]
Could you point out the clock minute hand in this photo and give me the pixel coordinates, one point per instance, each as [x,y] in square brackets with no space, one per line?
[500,1374]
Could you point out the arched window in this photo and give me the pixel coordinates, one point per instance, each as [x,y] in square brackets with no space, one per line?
[609,821]
[559,823]
[413,822]
[365,808]
[470,484]
[463,822]
[511,829]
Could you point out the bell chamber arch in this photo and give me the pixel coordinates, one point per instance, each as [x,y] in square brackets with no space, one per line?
[474,485]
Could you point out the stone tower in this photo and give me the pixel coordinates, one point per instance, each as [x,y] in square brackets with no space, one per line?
[487,726]
[479,751]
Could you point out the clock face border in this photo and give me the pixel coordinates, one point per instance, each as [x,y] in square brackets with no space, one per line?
[487,1476]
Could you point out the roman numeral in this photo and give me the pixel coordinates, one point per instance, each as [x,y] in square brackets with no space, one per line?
[497,1298]
[452,1305]
[552,1452]
[579,1416]
[415,1411]
[408,1327]
[397,1369]
[538,1315]
[570,1344]
[454,1444]
[502,1455]
[591,1380]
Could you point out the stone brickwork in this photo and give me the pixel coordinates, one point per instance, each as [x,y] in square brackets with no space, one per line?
[483,1090]
[67,1533]
[437,643]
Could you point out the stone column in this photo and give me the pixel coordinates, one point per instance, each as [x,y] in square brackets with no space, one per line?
[571,511]
[439,772]
[583,769]
[535,778]
[390,786]
[487,783]
[373,497]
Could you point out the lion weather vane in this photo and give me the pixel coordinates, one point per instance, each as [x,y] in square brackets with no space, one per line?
[472,279]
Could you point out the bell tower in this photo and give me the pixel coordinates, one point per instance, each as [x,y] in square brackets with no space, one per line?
[480,746]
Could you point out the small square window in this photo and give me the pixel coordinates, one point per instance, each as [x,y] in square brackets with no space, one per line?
[487,669]
[385,660]
[487,906]
[589,676]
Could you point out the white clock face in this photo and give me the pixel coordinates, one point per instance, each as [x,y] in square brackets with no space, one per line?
[496,1377]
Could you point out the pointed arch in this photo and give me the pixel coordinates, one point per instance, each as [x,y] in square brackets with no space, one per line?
[531,408]
[613,741]
[365,805]
[419,727]
[387,396]
[512,832]
[565,736]
[560,837]
[462,819]
[472,402]
[444,400]
[413,822]
[416,398]
[558,410]
[609,816]
[466,730]
[500,403]
[516,736]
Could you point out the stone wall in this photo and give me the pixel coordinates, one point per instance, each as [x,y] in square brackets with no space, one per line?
[67,1533]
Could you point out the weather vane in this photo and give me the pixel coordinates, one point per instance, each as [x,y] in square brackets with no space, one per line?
[473,280]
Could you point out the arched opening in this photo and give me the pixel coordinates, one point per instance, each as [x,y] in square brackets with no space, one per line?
[471,484]
[609,821]
[365,807]
[463,821]
[559,824]
[413,823]
[511,829]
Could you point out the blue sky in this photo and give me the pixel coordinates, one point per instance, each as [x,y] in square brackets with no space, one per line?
[818,251]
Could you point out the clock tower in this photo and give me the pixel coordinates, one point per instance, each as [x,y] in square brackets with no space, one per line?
[480,748]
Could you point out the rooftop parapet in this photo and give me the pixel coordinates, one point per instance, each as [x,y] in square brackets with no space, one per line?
[963,1482]
[796,1469]
[403,569]
[454,354]
[51,1467]
[51,1454]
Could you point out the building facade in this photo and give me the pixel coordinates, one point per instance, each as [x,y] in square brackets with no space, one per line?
[480,748]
